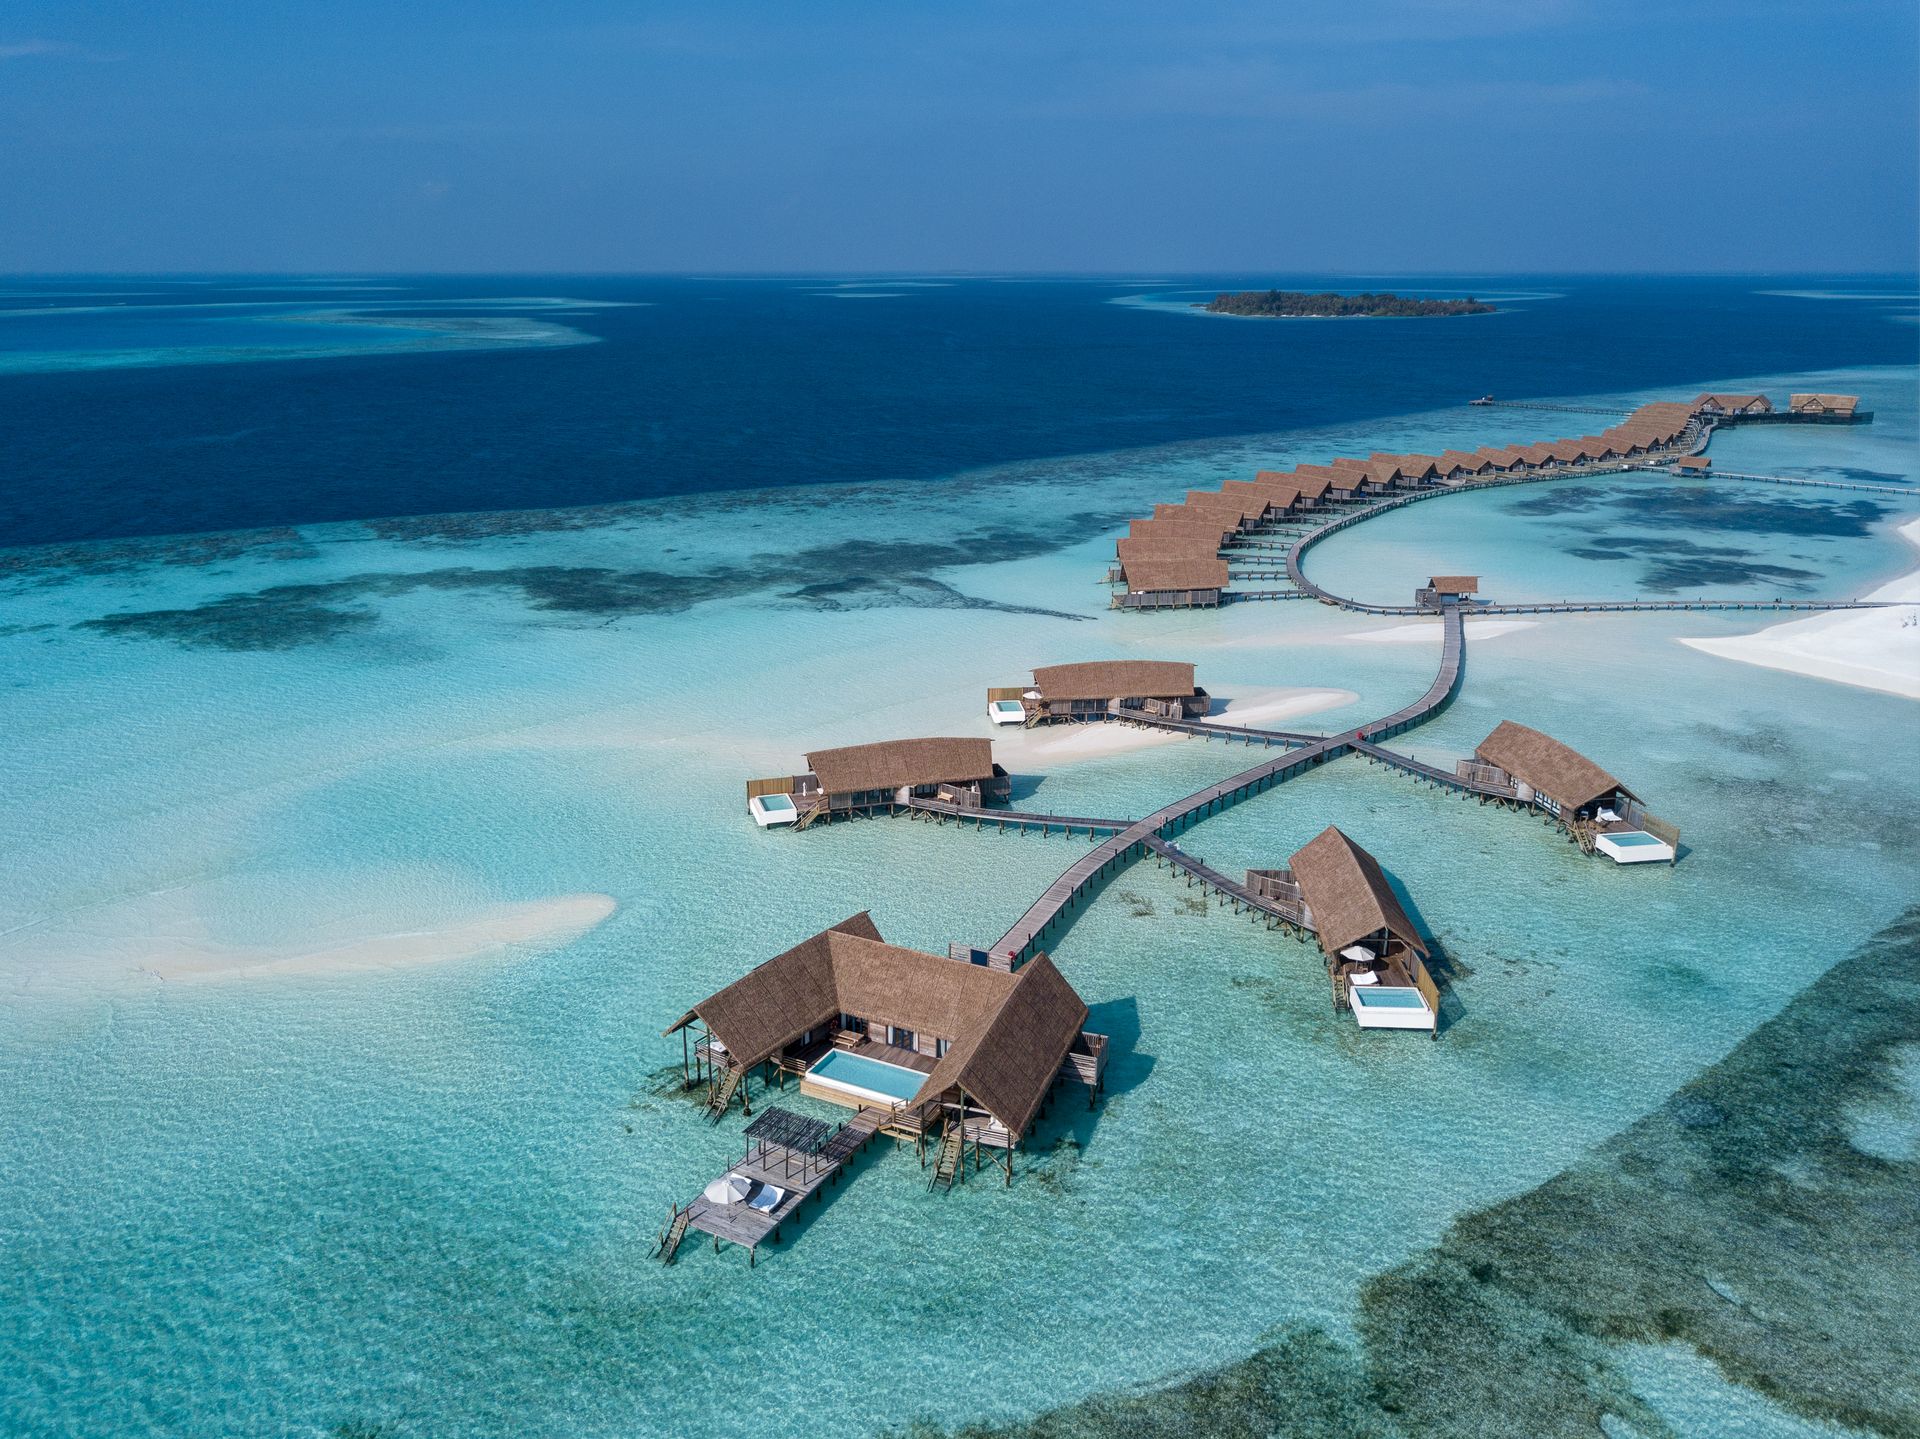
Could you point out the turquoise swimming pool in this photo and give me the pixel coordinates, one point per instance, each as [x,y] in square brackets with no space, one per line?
[1388,998]
[1634,839]
[776,803]
[874,1076]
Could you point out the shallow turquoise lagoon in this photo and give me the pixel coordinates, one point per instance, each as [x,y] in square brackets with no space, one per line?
[354,884]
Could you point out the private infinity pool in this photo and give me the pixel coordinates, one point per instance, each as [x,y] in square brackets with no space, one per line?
[868,1078]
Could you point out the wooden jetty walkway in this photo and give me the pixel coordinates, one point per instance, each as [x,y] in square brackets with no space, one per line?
[1015,819]
[1277,912]
[1433,774]
[1210,729]
[1066,892]
[1910,491]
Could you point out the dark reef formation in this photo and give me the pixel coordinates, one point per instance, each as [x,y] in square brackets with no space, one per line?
[1746,1219]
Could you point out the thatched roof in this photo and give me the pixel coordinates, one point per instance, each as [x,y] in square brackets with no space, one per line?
[1759,403]
[1185,522]
[896,762]
[1115,679]
[1454,584]
[1183,544]
[1550,767]
[1196,515]
[1536,454]
[1008,1033]
[1266,496]
[774,1003]
[1504,458]
[1349,895]
[1281,491]
[1007,1060]
[1418,467]
[1246,506]
[1194,572]
[1825,404]
[1311,487]
[1461,460]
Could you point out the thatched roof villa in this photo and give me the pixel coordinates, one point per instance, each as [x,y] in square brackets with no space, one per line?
[1707,404]
[930,1045]
[863,778]
[1446,590]
[1376,957]
[1838,406]
[1590,804]
[1100,690]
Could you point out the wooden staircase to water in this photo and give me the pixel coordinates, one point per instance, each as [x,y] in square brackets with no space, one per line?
[722,1097]
[668,1244]
[947,1164]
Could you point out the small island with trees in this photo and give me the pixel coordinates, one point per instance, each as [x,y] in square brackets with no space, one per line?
[1297,304]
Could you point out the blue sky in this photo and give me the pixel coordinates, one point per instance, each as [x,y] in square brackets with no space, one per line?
[1465,135]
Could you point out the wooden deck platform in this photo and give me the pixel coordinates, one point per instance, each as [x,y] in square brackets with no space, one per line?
[800,1176]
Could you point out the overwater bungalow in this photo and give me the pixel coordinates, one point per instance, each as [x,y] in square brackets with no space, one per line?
[1376,958]
[1101,690]
[1732,405]
[1538,457]
[1839,407]
[1693,464]
[1420,469]
[1290,480]
[1249,510]
[1625,442]
[1362,481]
[1456,466]
[1502,460]
[1181,521]
[1442,590]
[1198,515]
[1276,503]
[1315,489]
[1596,809]
[1193,581]
[883,777]
[1337,484]
[1285,497]
[924,1046]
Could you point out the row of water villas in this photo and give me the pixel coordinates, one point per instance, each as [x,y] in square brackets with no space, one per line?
[1177,558]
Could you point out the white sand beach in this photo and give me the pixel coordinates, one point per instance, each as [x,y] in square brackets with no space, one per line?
[1432,633]
[165,937]
[1871,649]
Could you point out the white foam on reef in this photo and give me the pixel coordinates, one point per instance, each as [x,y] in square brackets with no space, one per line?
[1871,649]
[166,936]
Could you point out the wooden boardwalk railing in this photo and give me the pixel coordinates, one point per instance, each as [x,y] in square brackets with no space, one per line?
[1017,819]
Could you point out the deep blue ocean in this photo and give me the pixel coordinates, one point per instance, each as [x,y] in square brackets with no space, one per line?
[133,406]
